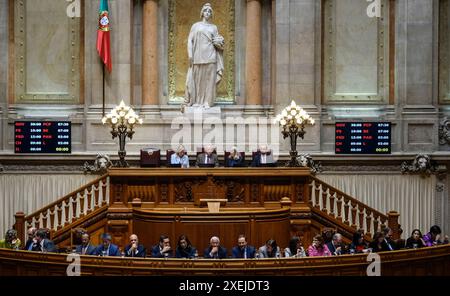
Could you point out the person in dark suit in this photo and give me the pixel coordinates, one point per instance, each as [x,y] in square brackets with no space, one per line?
[215,250]
[31,239]
[264,157]
[208,158]
[392,245]
[163,249]
[107,248]
[86,248]
[378,244]
[134,249]
[243,250]
[234,159]
[185,249]
[43,244]
[335,246]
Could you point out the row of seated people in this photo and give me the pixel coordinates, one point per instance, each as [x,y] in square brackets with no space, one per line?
[207,157]
[322,245]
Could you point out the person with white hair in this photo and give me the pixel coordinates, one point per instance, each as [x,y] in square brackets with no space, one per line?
[180,157]
[336,246]
[215,250]
[208,157]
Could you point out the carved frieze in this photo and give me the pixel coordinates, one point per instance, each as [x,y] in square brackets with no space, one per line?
[444,131]
[101,165]
[307,161]
[424,166]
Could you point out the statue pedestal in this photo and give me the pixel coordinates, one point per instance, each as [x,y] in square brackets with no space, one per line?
[210,110]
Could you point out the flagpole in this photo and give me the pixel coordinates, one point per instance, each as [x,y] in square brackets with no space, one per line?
[103,94]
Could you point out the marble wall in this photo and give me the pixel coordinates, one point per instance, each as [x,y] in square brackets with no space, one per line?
[3,69]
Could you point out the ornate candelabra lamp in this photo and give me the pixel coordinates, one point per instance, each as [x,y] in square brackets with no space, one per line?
[122,120]
[293,120]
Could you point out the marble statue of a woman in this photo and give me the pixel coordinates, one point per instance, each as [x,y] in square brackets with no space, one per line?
[205,51]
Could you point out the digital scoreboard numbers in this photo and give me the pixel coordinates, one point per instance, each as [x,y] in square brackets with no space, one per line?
[42,137]
[363,138]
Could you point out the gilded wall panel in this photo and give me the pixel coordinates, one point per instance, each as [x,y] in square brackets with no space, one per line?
[182,15]
[356,53]
[47,52]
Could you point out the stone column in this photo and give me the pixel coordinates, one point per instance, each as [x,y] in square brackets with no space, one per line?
[253,53]
[150,62]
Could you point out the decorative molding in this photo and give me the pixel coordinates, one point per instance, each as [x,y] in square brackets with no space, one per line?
[183,192]
[41,168]
[307,161]
[423,165]
[444,131]
[359,168]
[330,48]
[101,165]
[119,216]
[73,93]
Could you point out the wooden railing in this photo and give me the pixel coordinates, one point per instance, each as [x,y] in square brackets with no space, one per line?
[348,210]
[67,209]
[410,262]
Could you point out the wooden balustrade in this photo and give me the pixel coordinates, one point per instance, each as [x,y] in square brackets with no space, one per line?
[178,188]
[51,216]
[356,214]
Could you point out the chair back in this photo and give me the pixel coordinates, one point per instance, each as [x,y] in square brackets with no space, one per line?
[150,157]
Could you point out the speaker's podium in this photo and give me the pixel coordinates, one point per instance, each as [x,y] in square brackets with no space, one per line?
[213,204]
[150,157]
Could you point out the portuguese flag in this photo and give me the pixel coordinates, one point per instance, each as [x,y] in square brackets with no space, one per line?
[103,38]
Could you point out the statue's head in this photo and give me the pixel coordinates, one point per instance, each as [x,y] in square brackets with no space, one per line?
[102,162]
[422,162]
[303,159]
[207,11]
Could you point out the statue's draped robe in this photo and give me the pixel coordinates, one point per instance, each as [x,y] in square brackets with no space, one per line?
[207,65]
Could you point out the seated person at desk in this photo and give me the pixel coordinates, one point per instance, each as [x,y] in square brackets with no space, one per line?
[243,250]
[234,159]
[215,250]
[269,250]
[31,233]
[208,158]
[263,157]
[11,241]
[86,248]
[180,158]
[163,249]
[134,249]
[43,244]
[107,248]
[185,249]
[295,248]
